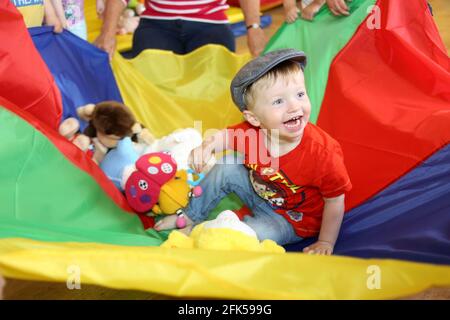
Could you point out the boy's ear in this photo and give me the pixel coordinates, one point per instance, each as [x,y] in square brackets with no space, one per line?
[251,118]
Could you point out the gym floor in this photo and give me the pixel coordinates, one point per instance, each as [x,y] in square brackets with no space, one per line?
[18,289]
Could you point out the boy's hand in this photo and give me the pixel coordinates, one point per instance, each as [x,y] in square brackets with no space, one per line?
[291,13]
[201,155]
[320,248]
[338,7]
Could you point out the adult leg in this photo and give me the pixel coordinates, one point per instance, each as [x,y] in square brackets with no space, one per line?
[158,34]
[198,34]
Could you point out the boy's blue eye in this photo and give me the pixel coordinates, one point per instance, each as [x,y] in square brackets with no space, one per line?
[278,101]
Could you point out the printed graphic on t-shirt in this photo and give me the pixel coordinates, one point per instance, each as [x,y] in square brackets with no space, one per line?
[295,215]
[73,10]
[275,187]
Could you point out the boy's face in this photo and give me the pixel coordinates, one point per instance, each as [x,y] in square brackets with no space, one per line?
[284,105]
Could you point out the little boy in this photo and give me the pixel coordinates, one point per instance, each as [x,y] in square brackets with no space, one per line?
[293,176]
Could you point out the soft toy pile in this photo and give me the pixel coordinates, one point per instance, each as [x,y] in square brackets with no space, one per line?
[174,191]
[226,232]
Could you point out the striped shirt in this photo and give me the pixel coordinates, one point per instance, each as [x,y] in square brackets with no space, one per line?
[211,11]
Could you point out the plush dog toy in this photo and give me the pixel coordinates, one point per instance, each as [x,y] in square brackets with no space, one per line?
[226,232]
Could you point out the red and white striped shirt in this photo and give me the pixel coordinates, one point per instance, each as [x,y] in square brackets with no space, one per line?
[212,11]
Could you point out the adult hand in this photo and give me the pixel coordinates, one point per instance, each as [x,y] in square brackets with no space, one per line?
[291,13]
[338,7]
[107,38]
[106,42]
[256,41]
[320,248]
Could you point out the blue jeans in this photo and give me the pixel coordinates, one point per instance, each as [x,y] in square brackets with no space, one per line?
[180,36]
[233,177]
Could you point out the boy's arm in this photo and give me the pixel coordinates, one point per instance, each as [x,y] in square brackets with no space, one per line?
[333,213]
[290,10]
[50,17]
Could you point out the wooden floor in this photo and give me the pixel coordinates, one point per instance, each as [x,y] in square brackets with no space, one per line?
[17,289]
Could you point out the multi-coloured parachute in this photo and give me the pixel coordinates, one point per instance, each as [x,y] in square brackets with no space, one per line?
[379,82]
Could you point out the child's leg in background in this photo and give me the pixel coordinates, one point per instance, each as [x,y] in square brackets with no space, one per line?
[233,177]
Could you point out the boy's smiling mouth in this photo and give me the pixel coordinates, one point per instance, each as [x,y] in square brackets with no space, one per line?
[294,123]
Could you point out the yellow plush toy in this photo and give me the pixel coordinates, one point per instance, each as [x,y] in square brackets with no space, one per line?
[226,232]
[174,194]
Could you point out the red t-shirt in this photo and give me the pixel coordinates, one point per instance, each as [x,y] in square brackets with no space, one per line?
[295,183]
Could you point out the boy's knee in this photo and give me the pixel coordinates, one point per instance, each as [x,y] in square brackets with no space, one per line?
[263,230]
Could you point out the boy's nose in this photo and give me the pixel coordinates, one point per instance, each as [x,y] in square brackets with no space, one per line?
[295,107]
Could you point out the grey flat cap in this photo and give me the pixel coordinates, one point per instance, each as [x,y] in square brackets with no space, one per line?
[258,67]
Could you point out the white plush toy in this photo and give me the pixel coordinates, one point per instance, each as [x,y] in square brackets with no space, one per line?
[179,144]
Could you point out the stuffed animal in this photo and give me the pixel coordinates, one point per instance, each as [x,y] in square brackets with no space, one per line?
[175,194]
[143,185]
[226,232]
[179,144]
[117,160]
[70,129]
[128,22]
[108,122]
